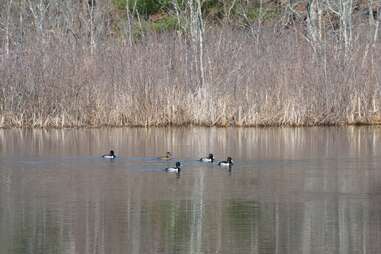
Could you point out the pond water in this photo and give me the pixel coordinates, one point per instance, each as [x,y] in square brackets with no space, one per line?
[291,190]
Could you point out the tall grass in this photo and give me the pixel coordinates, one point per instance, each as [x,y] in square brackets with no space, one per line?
[274,80]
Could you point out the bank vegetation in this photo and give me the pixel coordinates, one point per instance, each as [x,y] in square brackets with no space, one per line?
[78,68]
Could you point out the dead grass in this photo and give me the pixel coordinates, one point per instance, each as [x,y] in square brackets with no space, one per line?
[277,81]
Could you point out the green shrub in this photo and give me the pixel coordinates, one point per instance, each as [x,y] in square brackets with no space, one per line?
[144,7]
[167,23]
[213,9]
[265,14]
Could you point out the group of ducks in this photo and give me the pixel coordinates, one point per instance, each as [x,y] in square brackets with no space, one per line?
[209,159]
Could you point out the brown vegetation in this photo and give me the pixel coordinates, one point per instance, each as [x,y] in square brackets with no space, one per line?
[274,80]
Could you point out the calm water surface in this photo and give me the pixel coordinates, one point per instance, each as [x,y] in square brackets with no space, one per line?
[304,190]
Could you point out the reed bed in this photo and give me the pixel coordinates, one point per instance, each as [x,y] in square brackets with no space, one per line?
[274,80]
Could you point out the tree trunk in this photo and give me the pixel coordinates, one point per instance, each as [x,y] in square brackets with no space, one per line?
[7,27]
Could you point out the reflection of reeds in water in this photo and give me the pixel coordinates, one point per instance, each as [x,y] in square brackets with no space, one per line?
[154,83]
[326,204]
[188,143]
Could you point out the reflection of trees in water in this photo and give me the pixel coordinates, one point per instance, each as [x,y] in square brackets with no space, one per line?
[313,227]
[331,223]
[328,204]
[41,232]
[28,225]
[242,225]
[243,143]
[172,220]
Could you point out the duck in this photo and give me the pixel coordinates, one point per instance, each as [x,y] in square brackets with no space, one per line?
[175,169]
[210,158]
[111,155]
[166,157]
[228,163]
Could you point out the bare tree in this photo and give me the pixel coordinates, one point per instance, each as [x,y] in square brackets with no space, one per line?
[197,35]
[314,24]
[39,13]
[374,23]
[343,9]
[129,22]
[91,10]
[7,35]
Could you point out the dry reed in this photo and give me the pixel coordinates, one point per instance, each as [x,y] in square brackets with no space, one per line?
[276,80]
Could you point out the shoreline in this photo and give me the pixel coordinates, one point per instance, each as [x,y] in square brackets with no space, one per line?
[341,125]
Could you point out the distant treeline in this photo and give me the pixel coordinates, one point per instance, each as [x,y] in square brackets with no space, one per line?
[110,63]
